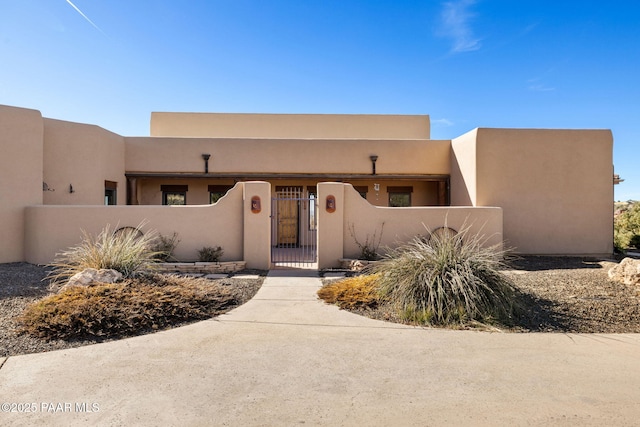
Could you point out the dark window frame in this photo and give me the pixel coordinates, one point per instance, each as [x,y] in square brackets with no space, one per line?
[400,191]
[110,193]
[174,190]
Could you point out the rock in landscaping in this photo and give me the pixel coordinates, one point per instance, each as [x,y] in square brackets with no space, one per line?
[91,275]
[627,272]
[214,276]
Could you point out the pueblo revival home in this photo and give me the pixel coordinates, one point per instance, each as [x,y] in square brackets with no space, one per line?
[257,184]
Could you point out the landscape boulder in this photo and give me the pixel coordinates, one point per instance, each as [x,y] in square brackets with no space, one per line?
[627,272]
[92,275]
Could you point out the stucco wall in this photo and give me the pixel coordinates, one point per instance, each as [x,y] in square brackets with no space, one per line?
[150,193]
[149,189]
[287,156]
[21,132]
[463,170]
[353,213]
[83,156]
[51,229]
[225,125]
[402,224]
[555,188]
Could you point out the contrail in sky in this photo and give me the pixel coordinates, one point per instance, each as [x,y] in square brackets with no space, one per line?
[85,16]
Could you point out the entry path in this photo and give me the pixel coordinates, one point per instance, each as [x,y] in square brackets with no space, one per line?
[285,358]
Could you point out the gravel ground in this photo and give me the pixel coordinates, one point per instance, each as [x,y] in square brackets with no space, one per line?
[574,295]
[22,283]
[562,294]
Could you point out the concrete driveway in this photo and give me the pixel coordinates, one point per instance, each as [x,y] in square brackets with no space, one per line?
[285,358]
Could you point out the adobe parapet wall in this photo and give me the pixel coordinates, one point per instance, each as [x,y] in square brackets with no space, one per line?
[229,125]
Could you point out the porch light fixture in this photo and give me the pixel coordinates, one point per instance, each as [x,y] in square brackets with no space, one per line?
[373,158]
[206,158]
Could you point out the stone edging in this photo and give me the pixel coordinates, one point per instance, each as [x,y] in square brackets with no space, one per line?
[200,267]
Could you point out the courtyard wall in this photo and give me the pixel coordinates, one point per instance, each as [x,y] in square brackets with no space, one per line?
[21,134]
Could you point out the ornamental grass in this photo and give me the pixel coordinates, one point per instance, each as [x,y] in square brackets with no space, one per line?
[126,250]
[447,279]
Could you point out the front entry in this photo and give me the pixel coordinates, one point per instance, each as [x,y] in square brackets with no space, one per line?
[293,227]
[288,214]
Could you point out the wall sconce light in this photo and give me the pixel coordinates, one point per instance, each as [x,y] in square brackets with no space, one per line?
[373,158]
[71,190]
[206,162]
[376,187]
[331,204]
[255,204]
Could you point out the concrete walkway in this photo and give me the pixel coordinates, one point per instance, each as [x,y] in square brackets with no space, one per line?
[285,358]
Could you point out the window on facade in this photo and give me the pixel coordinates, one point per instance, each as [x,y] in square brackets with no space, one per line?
[174,194]
[313,204]
[400,197]
[216,192]
[362,190]
[110,192]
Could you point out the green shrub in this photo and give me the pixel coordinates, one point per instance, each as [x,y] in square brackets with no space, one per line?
[635,241]
[210,253]
[447,279]
[125,251]
[625,226]
[163,246]
[145,303]
[352,292]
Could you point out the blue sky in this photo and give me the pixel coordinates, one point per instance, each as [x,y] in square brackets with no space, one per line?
[466,63]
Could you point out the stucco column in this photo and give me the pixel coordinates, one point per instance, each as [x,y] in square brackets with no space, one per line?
[22,183]
[330,224]
[256,210]
[132,191]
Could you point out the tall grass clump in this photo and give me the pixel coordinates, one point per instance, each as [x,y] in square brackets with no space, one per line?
[447,279]
[125,251]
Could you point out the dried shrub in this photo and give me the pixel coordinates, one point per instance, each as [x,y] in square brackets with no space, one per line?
[164,246]
[368,249]
[210,253]
[352,292]
[143,304]
[447,279]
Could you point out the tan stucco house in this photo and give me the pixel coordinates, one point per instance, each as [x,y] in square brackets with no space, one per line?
[255,182]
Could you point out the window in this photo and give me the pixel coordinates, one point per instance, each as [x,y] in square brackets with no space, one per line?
[174,194]
[217,191]
[400,197]
[110,193]
[362,189]
[313,203]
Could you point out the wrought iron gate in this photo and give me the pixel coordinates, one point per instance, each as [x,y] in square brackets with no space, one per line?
[293,227]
